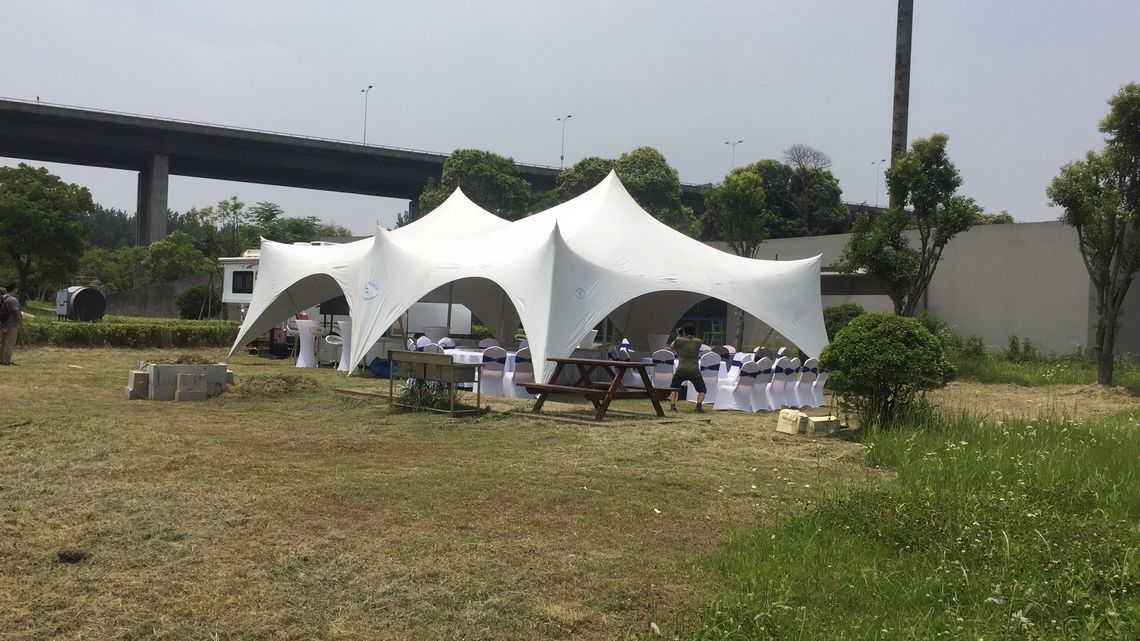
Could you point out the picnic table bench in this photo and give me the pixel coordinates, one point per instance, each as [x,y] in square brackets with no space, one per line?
[600,393]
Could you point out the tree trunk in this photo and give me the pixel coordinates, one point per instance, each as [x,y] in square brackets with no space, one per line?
[1106,340]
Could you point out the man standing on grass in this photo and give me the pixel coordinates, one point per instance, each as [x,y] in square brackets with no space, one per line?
[688,348]
[10,320]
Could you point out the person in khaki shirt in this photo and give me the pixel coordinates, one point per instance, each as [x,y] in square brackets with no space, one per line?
[12,319]
[688,349]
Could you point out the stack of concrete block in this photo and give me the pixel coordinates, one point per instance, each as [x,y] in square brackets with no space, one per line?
[160,382]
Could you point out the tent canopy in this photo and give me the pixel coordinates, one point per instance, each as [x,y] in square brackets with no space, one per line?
[559,273]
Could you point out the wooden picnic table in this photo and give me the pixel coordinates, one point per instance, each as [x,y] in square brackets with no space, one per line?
[600,393]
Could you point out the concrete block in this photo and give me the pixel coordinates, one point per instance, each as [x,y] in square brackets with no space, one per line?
[215,374]
[189,395]
[191,383]
[229,377]
[137,393]
[214,389]
[139,380]
[792,422]
[160,392]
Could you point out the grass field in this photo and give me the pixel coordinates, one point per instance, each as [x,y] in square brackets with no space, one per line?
[283,513]
[284,510]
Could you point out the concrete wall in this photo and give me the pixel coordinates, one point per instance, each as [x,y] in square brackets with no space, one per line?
[994,280]
[1026,279]
[155,301]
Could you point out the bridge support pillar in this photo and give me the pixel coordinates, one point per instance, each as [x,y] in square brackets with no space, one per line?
[154,185]
[414,208]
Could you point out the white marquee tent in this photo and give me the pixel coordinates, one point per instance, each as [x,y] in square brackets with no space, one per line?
[559,273]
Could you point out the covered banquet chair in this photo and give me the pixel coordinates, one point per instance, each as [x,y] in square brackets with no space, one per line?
[760,398]
[710,367]
[737,394]
[663,361]
[792,375]
[781,372]
[817,389]
[809,372]
[491,374]
[522,373]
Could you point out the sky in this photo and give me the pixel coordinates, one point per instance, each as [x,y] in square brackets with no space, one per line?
[1018,85]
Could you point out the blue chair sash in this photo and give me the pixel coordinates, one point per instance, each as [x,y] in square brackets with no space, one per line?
[767,371]
[715,367]
[779,370]
[736,364]
[751,374]
[492,359]
[664,362]
[524,359]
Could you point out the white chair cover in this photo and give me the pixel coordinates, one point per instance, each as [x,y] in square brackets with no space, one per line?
[779,380]
[522,373]
[422,342]
[491,375]
[792,372]
[411,345]
[664,362]
[711,365]
[763,352]
[705,348]
[736,394]
[817,389]
[760,400]
[432,348]
[447,343]
[808,374]
[488,342]
[524,343]
[730,349]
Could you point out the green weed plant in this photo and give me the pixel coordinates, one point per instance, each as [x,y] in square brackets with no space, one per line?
[1026,529]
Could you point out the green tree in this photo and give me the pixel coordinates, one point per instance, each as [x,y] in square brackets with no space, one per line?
[927,181]
[488,179]
[110,228]
[296,229]
[740,209]
[113,270]
[176,256]
[574,181]
[1001,218]
[1101,199]
[41,222]
[804,201]
[655,186]
[264,212]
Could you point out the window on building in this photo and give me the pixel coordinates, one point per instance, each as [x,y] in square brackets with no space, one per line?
[243,282]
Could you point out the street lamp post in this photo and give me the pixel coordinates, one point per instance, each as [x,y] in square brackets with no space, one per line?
[877,164]
[365,92]
[734,144]
[562,154]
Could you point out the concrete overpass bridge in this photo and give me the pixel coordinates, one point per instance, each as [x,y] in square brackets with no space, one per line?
[157,148]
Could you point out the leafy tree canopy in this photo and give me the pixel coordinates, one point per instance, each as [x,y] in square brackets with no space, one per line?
[1101,198]
[488,179]
[176,256]
[925,180]
[110,228]
[803,201]
[739,209]
[42,223]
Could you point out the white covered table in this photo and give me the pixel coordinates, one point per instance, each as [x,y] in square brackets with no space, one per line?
[306,343]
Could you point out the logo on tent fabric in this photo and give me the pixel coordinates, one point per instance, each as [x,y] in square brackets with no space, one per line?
[370,290]
[581,293]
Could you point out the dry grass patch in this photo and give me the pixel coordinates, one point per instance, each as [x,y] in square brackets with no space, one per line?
[286,511]
[1004,400]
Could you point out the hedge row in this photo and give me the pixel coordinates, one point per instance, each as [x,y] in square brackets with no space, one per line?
[136,333]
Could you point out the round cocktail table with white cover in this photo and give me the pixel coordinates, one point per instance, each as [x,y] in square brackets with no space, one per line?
[345,327]
[306,343]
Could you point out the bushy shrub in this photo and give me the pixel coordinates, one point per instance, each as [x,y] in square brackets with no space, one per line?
[193,304]
[973,347]
[879,363]
[941,330]
[836,317]
[135,333]
[1021,351]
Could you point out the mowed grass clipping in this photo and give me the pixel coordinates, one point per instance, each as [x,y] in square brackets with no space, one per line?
[282,510]
[1016,529]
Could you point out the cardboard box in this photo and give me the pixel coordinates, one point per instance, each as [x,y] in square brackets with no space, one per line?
[792,422]
[825,424]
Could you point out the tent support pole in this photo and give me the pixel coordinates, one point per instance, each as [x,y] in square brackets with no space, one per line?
[450,293]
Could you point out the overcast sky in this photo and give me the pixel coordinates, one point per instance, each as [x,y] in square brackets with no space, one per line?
[1019,86]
